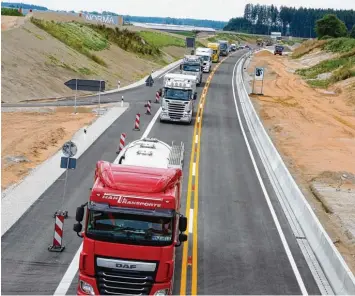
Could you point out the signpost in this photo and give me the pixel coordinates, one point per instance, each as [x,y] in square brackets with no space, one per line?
[69,149]
[86,85]
[190,43]
[149,81]
[259,76]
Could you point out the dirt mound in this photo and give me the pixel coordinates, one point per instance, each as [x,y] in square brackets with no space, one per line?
[263,53]
[34,137]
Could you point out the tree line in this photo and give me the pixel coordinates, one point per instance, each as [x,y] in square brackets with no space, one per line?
[298,22]
[23,6]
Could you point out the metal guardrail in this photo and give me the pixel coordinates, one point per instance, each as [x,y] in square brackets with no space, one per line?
[338,274]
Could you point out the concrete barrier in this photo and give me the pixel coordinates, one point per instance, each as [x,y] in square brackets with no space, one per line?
[334,267]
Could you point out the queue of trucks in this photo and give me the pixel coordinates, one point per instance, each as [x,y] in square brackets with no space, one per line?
[133,220]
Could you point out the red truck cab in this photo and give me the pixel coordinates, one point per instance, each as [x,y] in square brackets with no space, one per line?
[133,224]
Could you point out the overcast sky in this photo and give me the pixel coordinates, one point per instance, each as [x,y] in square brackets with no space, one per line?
[200,9]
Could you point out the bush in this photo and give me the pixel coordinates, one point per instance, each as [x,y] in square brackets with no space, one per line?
[332,26]
[325,37]
[340,45]
[10,11]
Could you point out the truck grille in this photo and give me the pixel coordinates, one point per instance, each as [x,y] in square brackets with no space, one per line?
[113,282]
[175,111]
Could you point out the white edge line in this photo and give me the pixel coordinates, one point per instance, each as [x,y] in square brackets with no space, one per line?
[194,168]
[198,119]
[69,275]
[272,210]
[196,139]
[191,219]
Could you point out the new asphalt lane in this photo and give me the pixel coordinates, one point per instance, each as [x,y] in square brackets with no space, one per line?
[239,249]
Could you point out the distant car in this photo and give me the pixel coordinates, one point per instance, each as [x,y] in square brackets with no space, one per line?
[233,47]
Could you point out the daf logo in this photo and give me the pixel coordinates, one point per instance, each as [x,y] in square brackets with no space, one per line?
[126,266]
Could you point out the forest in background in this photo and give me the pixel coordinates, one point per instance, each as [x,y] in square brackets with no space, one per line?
[298,22]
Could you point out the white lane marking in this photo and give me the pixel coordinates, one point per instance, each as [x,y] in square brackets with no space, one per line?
[201,106]
[68,277]
[198,119]
[151,124]
[271,208]
[196,139]
[191,220]
[194,168]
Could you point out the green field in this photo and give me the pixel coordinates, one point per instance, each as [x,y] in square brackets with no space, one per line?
[161,40]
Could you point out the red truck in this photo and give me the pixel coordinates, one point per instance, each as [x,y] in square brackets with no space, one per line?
[133,222]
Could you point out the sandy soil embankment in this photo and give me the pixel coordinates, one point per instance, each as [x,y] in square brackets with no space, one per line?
[314,131]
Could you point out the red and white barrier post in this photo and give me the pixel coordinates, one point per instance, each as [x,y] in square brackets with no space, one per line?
[136,123]
[57,245]
[157,97]
[148,108]
[122,143]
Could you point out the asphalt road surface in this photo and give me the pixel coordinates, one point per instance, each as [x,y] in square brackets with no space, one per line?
[239,247]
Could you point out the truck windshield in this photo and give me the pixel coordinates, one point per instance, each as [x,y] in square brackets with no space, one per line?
[178,94]
[206,58]
[130,228]
[214,51]
[194,68]
[223,46]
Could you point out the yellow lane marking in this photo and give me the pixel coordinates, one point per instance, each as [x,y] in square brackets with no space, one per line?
[193,173]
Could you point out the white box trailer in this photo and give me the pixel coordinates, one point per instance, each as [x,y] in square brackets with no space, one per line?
[178,97]
[206,54]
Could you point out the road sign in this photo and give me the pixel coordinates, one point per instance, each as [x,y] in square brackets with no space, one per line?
[85,84]
[69,149]
[259,73]
[149,81]
[67,163]
[190,42]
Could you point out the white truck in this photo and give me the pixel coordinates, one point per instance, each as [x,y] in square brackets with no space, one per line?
[178,97]
[206,54]
[192,65]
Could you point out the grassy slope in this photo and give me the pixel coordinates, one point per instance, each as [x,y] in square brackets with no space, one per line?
[341,67]
[11,12]
[82,50]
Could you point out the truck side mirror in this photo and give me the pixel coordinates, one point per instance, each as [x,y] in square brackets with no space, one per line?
[182,224]
[182,237]
[77,227]
[79,216]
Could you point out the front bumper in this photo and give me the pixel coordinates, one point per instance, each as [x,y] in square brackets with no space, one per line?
[186,117]
[92,282]
[206,68]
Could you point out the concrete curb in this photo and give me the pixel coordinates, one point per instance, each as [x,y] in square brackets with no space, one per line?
[333,265]
[18,199]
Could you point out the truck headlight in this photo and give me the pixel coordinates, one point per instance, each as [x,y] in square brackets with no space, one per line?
[87,288]
[162,292]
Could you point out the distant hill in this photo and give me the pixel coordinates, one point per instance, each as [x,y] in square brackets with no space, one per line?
[138,19]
